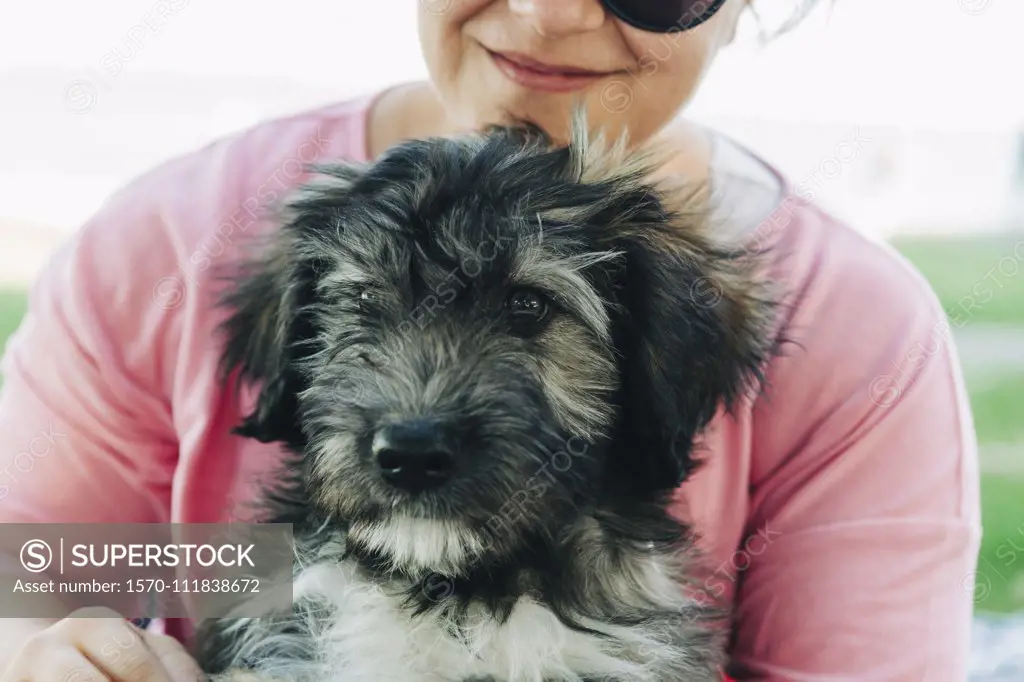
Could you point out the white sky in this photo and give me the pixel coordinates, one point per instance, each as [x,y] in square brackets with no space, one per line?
[932,63]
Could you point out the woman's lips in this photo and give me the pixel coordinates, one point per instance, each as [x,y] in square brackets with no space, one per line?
[539,76]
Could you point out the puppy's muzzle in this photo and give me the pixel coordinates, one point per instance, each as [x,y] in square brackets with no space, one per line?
[414,455]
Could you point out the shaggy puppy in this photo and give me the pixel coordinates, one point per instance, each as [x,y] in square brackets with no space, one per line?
[492,358]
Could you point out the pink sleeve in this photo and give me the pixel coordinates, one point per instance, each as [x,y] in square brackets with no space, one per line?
[865,504]
[85,435]
[110,377]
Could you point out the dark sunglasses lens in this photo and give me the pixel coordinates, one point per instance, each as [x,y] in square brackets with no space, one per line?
[664,16]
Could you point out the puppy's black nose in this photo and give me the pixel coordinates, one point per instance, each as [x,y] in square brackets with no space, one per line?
[414,455]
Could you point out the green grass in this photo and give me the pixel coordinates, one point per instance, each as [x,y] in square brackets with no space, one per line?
[998,406]
[12,309]
[979,279]
[1000,581]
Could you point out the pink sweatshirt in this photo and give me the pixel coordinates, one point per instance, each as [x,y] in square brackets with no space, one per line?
[842,512]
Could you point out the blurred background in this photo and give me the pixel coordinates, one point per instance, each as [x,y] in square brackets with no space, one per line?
[93,93]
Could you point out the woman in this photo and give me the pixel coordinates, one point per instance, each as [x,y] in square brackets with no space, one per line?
[841,511]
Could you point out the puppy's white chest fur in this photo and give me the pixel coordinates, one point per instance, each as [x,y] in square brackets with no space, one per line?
[373,637]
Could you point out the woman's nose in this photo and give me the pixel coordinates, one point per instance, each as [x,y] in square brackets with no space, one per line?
[555,18]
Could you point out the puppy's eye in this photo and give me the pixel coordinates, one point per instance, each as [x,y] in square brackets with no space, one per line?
[529,312]
[368,297]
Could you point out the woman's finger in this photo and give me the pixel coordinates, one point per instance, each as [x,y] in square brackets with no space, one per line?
[68,666]
[117,649]
[176,660]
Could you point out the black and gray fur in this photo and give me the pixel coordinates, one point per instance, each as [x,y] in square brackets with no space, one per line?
[569,331]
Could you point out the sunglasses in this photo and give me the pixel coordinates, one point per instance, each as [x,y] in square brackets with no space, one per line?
[663,16]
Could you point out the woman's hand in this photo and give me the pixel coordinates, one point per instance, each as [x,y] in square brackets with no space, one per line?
[98,646]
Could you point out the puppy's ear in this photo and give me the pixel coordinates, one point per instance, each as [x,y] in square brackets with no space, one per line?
[264,334]
[695,320]
[698,332]
[270,329]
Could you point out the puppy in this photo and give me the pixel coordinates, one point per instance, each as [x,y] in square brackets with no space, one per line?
[491,358]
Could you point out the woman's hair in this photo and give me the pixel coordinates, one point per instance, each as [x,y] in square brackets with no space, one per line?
[775,26]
